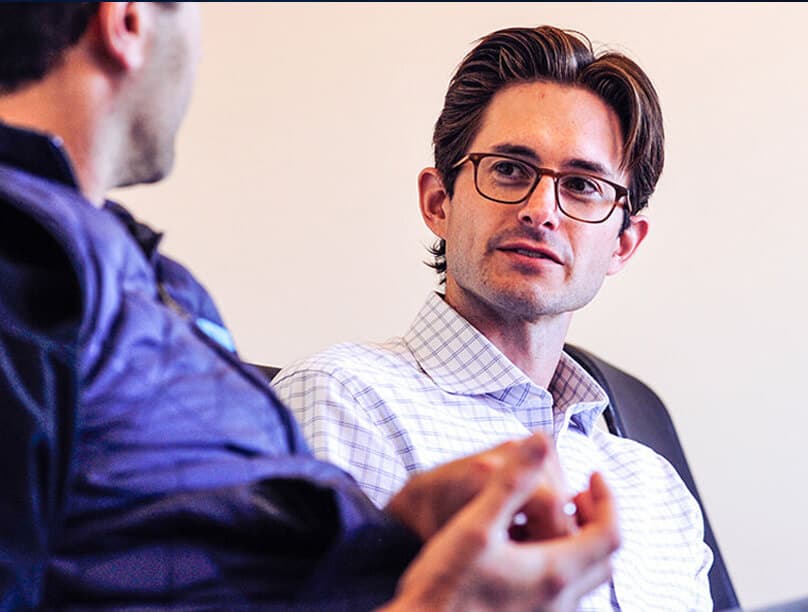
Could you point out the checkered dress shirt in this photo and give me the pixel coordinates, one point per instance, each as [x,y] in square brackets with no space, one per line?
[444,391]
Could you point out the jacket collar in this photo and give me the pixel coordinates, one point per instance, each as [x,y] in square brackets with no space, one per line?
[36,153]
[145,236]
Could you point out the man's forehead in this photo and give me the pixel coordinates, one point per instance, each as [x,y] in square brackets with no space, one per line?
[551,123]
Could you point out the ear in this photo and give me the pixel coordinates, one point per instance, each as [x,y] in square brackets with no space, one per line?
[434,201]
[121,33]
[628,242]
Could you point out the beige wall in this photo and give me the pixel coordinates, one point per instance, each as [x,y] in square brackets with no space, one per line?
[294,199]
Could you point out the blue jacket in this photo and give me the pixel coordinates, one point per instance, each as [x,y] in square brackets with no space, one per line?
[141,463]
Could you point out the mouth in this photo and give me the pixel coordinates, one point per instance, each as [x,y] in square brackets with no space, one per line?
[532,252]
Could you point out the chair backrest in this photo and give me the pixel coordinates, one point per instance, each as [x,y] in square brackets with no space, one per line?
[636,412]
[269,371]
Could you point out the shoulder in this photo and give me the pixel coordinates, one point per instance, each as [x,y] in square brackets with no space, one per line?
[636,458]
[350,374]
[646,470]
[42,290]
[351,364]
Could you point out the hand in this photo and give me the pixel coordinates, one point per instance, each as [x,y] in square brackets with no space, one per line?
[430,499]
[472,564]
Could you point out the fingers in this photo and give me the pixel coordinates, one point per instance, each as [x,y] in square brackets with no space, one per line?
[430,499]
[525,472]
[544,510]
[600,490]
[597,514]
[581,561]
[471,563]
[585,507]
[545,516]
[511,487]
[576,564]
[597,504]
[469,550]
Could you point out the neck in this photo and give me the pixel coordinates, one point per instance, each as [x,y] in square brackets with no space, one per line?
[70,106]
[534,346]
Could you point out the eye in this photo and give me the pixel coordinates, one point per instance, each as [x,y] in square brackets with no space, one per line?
[510,171]
[582,186]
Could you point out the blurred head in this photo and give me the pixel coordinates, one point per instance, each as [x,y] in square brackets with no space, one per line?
[550,55]
[160,95]
[144,52]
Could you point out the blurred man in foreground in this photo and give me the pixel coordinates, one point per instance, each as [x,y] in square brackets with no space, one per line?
[142,464]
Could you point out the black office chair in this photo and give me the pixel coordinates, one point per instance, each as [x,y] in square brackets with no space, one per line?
[636,412]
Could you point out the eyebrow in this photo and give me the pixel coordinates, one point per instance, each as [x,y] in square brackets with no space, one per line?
[586,165]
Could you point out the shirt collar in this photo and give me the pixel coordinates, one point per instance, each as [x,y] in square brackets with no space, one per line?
[576,392]
[36,153]
[457,357]
[461,360]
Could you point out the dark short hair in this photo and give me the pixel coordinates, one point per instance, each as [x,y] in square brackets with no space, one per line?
[34,37]
[552,55]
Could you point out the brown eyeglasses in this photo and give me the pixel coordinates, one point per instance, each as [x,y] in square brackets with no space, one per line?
[579,195]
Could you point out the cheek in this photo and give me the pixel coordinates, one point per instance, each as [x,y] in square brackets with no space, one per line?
[473,224]
[465,248]
[594,255]
[457,246]
[458,230]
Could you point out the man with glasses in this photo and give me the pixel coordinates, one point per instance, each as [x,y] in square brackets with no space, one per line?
[544,155]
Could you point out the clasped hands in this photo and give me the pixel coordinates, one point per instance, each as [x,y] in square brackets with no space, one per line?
[475,556]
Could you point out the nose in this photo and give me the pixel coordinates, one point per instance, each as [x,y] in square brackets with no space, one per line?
[541,208]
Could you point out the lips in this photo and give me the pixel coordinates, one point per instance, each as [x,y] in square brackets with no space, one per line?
[531,250]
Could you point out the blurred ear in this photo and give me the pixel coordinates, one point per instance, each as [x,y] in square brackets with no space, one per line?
[433,199]
[628,242]
[122,33]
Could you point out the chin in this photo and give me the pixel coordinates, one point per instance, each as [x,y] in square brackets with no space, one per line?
[532,305]
[147,173]
[161,168]
[156,176]
[141,179]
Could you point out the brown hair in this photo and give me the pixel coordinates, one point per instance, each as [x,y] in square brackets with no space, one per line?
[34,37]
[546,53]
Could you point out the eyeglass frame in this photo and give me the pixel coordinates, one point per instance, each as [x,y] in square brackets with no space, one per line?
[621,191]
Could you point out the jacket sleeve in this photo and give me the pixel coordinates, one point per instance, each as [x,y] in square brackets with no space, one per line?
[40,313]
